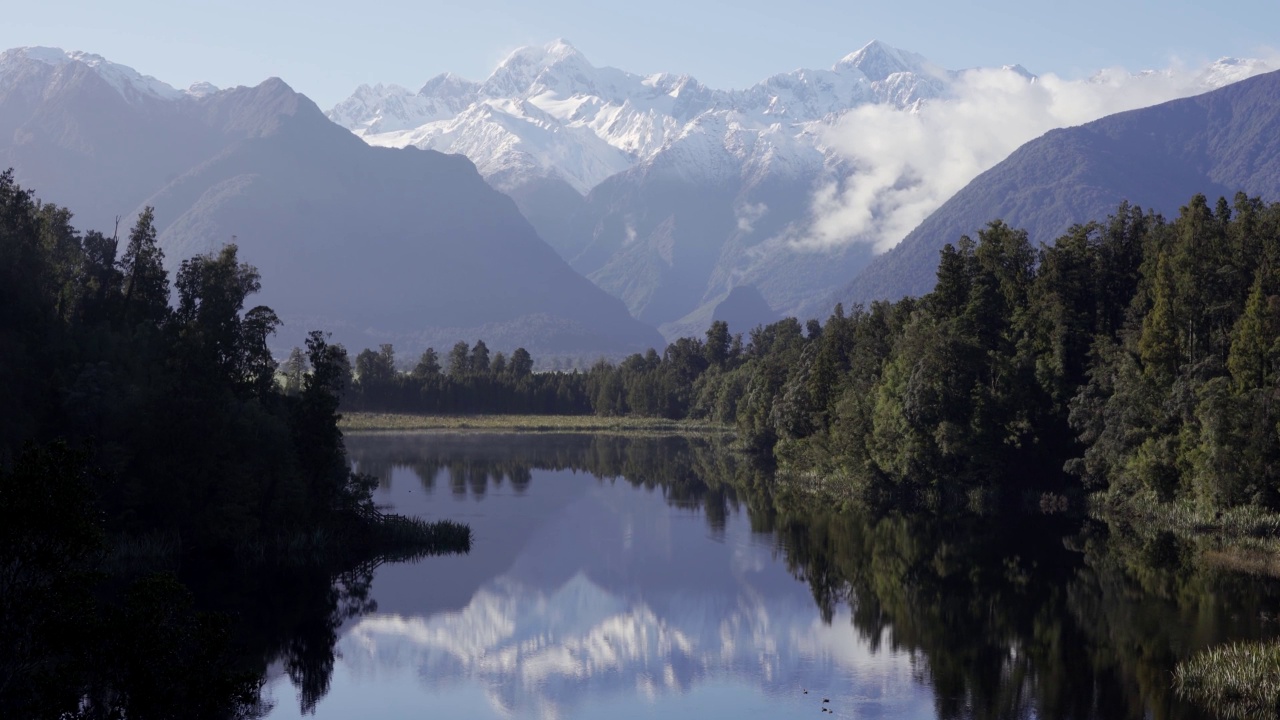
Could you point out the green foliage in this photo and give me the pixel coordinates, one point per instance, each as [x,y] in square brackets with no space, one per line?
[1238,680]
[428,367]
[1139,355]
[178,407]
[146,284]
[154,425]
[459,360]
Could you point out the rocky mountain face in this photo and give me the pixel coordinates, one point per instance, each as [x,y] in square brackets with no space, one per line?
[547,112]
[1218,143]
[666,193]
[378,245]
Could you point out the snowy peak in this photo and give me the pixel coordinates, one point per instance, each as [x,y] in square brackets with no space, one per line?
[545,111]
[1220,73]
[131,84]
[1228,70]
[447,85]
[537,58]
[878,61]
[1019,70]
[391,108]
[526,67]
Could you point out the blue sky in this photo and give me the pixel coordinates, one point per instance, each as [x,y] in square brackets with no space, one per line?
[325,49]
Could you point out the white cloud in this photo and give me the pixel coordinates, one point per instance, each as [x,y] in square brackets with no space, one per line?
[747,214]
[907,163]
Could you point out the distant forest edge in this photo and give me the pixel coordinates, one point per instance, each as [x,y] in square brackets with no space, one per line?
[1134,360]
[136,433]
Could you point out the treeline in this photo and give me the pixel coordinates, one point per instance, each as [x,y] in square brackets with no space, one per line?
[1139,354]
[133,427]
[470,380]
[177,407]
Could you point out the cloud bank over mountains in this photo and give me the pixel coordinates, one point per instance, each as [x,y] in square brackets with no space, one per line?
[906,164]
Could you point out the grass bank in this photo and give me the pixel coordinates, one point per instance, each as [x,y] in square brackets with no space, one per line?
[1241,680]
[1241,539]
[398,422]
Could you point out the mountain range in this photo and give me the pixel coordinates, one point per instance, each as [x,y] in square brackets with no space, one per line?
[592,206]
[377,245]
[664,192]
[667,193]
[1217,143]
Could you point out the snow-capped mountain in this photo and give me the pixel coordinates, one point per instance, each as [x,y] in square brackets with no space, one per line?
[547,112]
[375,245]
[670,194]
[131,84]
[665,192]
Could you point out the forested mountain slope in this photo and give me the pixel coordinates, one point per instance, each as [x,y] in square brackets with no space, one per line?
[1217,143]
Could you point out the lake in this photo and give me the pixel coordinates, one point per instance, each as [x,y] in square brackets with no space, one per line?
[664,577]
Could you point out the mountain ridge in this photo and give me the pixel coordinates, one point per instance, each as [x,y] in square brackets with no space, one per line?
[686,190]
[1216,144]
[379,245]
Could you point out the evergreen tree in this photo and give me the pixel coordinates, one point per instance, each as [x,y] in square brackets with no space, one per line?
[428,367]
[717,346]
[146,285]
[459,361]
[521,364]
[479,358]
[1252,358]
[294,370]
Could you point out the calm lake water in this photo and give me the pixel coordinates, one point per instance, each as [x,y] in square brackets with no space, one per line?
[663,578]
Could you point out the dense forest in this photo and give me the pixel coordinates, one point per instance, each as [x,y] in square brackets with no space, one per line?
[137,432]
[1135,357]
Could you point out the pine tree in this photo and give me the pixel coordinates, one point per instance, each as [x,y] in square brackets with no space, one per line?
[459,360]
[1158,345]
[428,367]
[146,290]
[1255,332]
[480,358]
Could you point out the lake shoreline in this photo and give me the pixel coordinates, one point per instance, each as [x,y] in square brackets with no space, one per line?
[367,422]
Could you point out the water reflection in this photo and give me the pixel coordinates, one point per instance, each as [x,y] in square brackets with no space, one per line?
[659,576]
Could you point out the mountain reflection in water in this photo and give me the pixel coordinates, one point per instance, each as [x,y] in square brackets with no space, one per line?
[644,577]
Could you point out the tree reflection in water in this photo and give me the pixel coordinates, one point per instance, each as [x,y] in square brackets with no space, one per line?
[1007,617]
